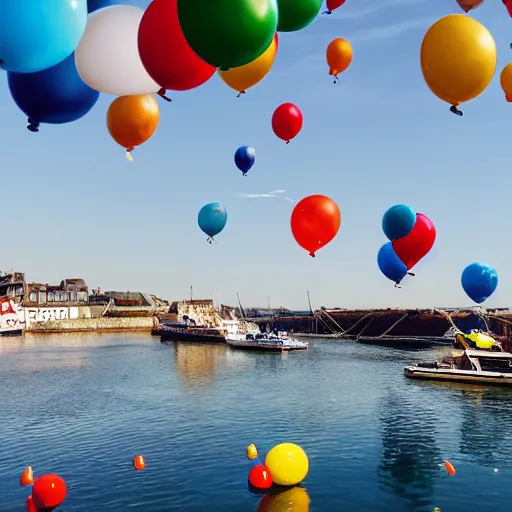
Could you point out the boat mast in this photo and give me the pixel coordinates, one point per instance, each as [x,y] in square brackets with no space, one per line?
[242,312]
[191,293]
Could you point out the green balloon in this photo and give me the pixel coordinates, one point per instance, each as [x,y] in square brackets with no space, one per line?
[228,33]
[297,14]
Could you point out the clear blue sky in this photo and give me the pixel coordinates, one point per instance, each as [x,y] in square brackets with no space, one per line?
[74,207]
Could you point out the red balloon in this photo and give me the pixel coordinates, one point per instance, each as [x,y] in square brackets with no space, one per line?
[49,491]
[315,222]
[412,248]
[276,39]
[334,4]
[260,477]
[164,51]
[287,121]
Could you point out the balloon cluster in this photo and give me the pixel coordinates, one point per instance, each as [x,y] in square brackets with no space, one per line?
[411,236]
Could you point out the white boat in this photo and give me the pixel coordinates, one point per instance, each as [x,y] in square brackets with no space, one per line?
[279,342]
[471,366]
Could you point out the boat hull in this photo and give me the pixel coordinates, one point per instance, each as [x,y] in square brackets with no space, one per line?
[191,337]
[266,347]
[489,378]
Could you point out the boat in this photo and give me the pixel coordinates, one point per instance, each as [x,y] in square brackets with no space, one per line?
[272,342]
[174,331]
[487,363]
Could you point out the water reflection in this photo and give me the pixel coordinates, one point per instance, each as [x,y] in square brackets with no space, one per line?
[197,363]
[410,455]
[291,500]
[486,427]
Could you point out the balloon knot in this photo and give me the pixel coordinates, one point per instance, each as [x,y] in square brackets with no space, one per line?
[312,254]
[335,81]
[455,110]
[210,240]
[162,94]
[33,125]
[508,98]
[288,141]
[244,174]
[327,12]
[240,93]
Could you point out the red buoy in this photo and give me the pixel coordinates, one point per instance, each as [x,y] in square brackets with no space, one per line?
[49,491]
[260,477]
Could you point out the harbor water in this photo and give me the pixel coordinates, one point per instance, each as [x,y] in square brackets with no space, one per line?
[84,406]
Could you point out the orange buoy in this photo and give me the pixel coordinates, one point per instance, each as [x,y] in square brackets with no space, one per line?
[139,462]
[449,467]
[27,477]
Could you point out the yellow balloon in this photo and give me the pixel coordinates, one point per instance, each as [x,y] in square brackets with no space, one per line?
[288,464]
[458,59]
[247,76]
[295,499]
[506,81]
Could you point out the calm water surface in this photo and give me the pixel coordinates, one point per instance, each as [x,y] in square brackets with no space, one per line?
[83,406]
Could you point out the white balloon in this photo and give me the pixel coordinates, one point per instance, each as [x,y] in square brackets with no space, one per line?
[107,57]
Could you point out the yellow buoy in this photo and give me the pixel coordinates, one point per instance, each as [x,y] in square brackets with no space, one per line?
[288,464]
[506,81]
[458,59]
[252,452]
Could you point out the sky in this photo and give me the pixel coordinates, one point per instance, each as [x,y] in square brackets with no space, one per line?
[73,206]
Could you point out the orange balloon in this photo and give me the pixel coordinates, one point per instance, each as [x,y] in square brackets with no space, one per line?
[506,81]
[139,462]
[27,477]
[315,222]
[132,120]
[339,56]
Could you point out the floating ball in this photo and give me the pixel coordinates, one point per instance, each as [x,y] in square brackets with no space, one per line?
[295,499]
[27,477]
[288,464]
[139,462]
[260,477]
[49,491]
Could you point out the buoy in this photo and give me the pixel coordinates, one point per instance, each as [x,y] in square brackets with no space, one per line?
[27,477]
[449,467]
[260,477]
[49,491]
[288,464]
[138,462]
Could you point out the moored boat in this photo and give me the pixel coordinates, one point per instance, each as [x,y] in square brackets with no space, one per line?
[481,360]
[185,332]
[279,342]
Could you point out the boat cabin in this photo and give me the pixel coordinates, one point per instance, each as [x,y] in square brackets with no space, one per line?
[482,361]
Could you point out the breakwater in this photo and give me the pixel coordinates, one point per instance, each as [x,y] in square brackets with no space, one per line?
[102,324]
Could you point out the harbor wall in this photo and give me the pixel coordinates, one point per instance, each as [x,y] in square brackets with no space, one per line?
[102,324]
[66,319]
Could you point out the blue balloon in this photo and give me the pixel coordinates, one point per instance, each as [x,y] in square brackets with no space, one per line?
[479,281]
[94,5]
[55,95]
[389,263]
[37,34]
[212,218]
[244,158]
[398,221]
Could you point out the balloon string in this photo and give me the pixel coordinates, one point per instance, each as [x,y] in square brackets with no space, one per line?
[335,81]
[240,93]
[33,125]
[161,93]
[455,110]
[129,156]
[210,240]
[288,142]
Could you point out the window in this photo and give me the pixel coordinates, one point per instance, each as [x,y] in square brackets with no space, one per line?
[19,291]
[51,296]
[33,297]
[82,296]
[72,296]
[42,297]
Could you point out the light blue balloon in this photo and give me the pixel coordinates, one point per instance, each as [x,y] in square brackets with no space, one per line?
[212,218]
[479,281]
[38,34]
[398,221]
